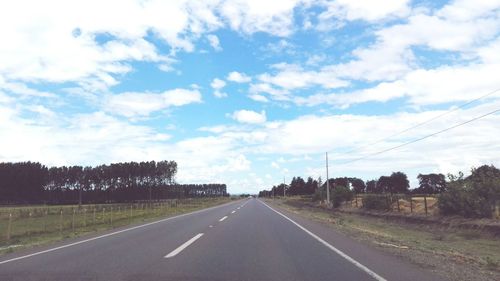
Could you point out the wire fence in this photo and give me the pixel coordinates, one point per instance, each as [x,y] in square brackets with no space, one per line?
[425,204]
[28,225]
[422,204]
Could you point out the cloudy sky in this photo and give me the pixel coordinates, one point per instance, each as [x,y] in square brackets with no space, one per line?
[247,92]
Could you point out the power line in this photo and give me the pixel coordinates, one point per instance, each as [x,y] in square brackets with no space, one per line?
[421,138]
[422,123]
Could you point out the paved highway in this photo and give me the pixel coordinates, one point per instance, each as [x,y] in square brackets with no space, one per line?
[243,240]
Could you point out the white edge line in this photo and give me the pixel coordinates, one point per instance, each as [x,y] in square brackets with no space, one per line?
[225,217]
[109,234]
[183,246]
[339,252]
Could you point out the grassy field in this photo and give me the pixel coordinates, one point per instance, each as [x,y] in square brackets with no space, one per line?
[28,226]
[404,204]
[455,253]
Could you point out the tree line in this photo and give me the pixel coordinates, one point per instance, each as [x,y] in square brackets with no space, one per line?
[396,183]
[32,182]
[476,195]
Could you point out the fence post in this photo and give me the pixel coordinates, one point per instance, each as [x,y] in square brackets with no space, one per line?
[111,216]
[29,230]
[130,216]
[84,217]
[356,198]
[425,204]
[9,227]
[103,215]
[411,204]
[46,214]
[399,208]
[497,209]
[61,221]
[93,217]
[73,221]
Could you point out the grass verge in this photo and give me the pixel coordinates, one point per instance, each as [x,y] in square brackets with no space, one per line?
[25,227]
[457,254]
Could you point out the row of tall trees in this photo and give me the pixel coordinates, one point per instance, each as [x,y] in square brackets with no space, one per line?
[32,182]
[397,182]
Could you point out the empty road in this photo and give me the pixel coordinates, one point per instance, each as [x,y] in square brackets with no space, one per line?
[242,240]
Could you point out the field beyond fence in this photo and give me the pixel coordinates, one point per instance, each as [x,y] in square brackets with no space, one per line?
[401,203]
[416,204]
[31,225]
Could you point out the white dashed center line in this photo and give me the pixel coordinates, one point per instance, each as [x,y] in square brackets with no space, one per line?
[223,218]
[183,246]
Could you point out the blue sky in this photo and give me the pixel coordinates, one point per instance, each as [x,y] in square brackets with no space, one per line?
[248,92]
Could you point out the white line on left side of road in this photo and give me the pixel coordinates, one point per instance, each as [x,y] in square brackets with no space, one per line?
[183,246]
[328,245]
[225,217]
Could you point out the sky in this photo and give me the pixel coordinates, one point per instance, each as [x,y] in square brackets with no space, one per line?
[248,92]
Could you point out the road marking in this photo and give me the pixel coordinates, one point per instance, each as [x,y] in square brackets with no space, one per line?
[328,245]
[244,203]
[210,226]
[238,208]
[183,246]
[223,218]
[233,212]
[109,234]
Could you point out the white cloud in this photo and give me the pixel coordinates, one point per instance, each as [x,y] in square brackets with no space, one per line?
[259,98]
[218,84]
[292,77]
[142,104]
[250,16]
[249,116]
[238,77]
[57,41]
[421,87]
[213,40]
[256,91]
[338,11]
[219,94]
[394,66]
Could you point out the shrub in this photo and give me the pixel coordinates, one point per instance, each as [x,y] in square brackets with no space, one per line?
[319,194]
[474,196]
[376,202]
[341,194]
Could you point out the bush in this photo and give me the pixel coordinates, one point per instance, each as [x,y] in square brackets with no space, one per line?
[376,202]
[341,194]
[472,198]
[319,195]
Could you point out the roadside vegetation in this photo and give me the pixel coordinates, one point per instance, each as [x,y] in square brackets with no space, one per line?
[29,226]
[474,196]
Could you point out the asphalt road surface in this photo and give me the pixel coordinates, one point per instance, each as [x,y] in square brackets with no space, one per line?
[242,240]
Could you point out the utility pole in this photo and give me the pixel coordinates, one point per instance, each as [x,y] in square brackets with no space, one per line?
[327,183]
